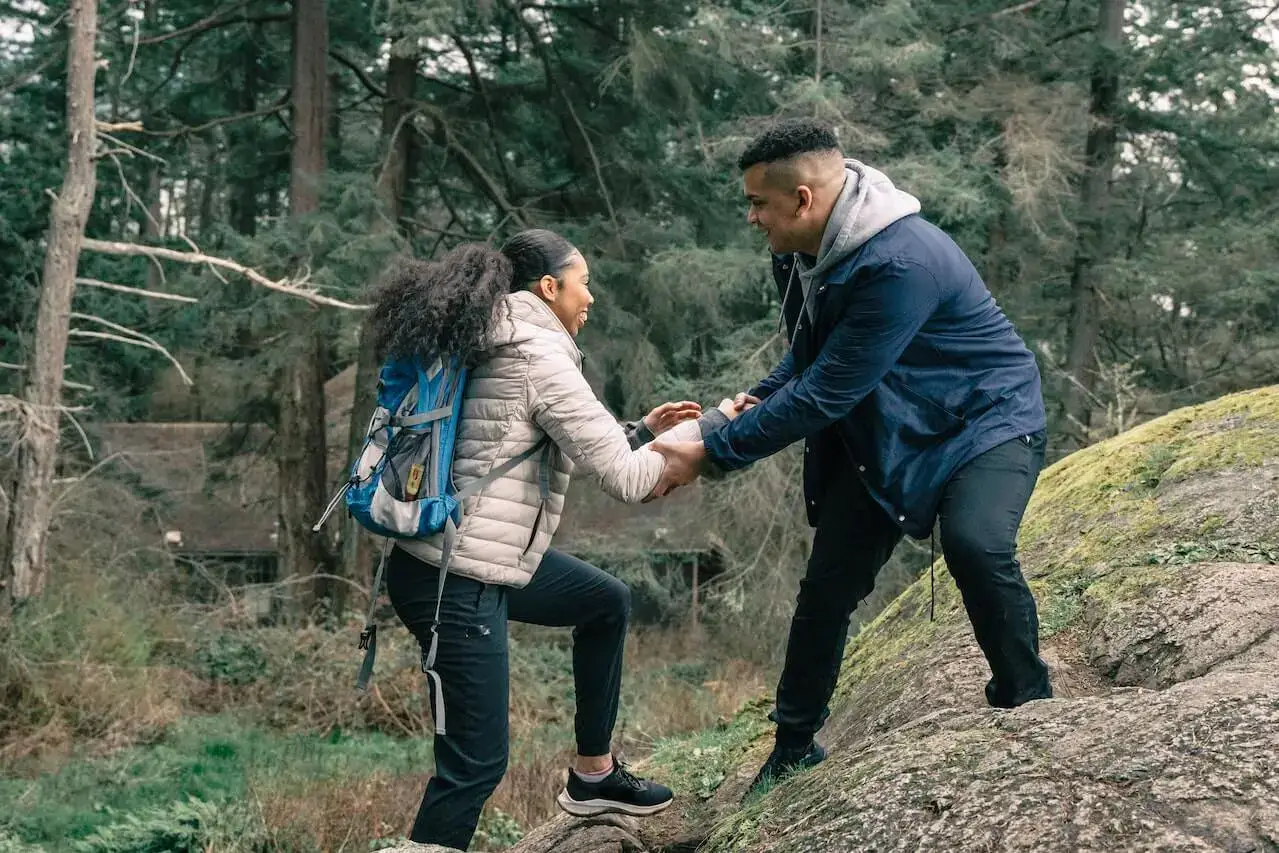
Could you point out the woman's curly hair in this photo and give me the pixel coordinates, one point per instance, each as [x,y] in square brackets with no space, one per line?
[424,308]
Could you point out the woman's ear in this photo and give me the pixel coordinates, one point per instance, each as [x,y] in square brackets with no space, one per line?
[547,286]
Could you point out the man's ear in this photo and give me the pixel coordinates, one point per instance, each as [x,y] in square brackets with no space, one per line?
[547,286]
[805,199]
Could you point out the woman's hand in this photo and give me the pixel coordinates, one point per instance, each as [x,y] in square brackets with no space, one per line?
[668,415]
[733,408]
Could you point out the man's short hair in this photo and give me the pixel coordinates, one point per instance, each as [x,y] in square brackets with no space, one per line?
[789,138]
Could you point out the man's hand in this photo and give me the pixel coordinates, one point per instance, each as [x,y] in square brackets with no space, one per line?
[744,401]
[684,461]
[668,415]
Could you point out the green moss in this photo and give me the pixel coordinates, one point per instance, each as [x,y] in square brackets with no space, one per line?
[1061,599]
[1212,524]
[697,764]
[1099,503]
[1095,536]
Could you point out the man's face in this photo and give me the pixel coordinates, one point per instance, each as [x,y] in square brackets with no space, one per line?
[778,209]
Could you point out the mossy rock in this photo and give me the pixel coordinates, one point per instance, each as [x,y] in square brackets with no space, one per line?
[1153,559]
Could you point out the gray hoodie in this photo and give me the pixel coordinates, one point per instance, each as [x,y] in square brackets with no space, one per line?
[868,204]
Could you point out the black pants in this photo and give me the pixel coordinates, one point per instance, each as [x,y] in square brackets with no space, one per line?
[470,759]
[980,512]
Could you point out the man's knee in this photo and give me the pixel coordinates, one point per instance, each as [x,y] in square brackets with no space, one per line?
[834,591]
[973,549]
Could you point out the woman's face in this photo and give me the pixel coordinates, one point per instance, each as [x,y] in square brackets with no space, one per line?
[570,295]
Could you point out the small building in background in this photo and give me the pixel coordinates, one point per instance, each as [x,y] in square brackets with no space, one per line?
[213,492]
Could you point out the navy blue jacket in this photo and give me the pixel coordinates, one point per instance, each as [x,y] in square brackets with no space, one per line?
[910,369]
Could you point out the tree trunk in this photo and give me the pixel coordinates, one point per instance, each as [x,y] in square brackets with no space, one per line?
[310,104]
[244,195]
[302,452]
[392,185]
[31,508]
[1090,250]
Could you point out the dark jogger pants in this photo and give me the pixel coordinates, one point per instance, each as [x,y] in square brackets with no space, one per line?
[470,759]
[980,513]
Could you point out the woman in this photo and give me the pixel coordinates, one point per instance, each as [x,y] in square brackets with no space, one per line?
[512,315]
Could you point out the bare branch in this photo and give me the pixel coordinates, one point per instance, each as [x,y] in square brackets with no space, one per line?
[359,72]
[133,149]
[138,339]
[553,81]
[137,291]
[119,127]
[443,133]
[133,54]
[477,80]
[33,75]
[1010,10]
[286,286]
[217,122]
[222,18]
[66,383]
[107,336]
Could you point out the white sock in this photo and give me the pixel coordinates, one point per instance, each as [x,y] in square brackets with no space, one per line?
[594,778]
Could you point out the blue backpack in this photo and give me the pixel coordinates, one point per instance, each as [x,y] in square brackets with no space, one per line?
[401,484]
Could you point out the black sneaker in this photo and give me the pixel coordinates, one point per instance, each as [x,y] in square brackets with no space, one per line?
[784,761]
[620,791]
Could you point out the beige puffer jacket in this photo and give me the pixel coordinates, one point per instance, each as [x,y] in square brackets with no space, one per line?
[530,386]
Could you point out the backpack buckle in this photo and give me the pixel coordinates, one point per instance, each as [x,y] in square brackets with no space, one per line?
[366,637]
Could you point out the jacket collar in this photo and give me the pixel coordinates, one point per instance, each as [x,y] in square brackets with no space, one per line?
[527,307]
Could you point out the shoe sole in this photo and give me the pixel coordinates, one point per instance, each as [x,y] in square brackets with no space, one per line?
[590,808]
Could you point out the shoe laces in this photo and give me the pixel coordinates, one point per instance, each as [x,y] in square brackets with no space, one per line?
[626,777]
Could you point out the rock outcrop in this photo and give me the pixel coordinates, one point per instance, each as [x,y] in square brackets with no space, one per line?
[1153,557]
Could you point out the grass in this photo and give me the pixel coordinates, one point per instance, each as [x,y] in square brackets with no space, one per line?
[169,726]
[215,759]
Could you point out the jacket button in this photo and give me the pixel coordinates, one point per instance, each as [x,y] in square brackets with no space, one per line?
[812,503]
[861,468]
[901,518]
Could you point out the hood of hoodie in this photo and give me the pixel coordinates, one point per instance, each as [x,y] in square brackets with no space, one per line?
[868,204]
[523,317]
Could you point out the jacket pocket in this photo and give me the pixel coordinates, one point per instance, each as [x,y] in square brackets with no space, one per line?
[537,525]
[923,421]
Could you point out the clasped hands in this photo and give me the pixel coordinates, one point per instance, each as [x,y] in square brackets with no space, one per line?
[685,460]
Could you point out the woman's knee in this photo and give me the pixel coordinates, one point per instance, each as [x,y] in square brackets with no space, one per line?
[618,599]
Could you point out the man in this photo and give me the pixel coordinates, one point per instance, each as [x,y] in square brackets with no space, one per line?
[916,399]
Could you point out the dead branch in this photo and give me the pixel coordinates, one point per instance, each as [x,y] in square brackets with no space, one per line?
[119,127]
[133,54]
[66,383]
[107,336]
[136,291]
[553,81]
[477,80]
[218,122]
[359,72]
[127,336]
[1010,10]
[442,133]
[70,482]
[221,18]
[286,286]
[133,148]
[23,78]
